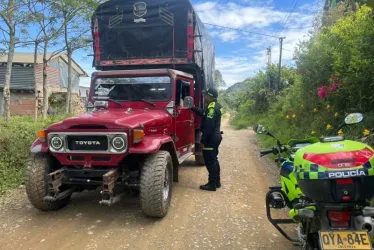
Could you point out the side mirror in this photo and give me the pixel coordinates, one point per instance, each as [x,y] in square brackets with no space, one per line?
[188,102]
[260,129]
[353,118]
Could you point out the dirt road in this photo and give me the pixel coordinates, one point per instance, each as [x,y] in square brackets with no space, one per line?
[231,218]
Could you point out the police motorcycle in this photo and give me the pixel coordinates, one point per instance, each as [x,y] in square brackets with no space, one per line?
[327,184]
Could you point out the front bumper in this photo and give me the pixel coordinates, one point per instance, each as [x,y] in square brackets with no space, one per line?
[107,178]
[87,149]
[89,160]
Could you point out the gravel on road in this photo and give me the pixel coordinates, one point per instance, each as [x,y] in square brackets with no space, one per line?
[232,218]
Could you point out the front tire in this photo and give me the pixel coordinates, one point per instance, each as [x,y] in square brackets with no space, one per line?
[36,184]
[156,182]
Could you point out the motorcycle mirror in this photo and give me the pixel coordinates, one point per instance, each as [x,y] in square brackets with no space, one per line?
[188,102]
[260,129]
[353,118]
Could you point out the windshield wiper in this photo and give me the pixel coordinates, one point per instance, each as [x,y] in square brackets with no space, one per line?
[142,100]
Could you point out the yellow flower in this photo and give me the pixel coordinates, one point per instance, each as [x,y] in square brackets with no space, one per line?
[315,110]
[328,106]
[329,126]
[340,132]
[313,132]
[336,114]
[293,116]
[366,132]
[287,117]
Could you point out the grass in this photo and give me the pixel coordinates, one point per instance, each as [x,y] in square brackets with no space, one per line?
[16,137]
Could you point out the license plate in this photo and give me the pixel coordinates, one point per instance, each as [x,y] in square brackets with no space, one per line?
[344,240]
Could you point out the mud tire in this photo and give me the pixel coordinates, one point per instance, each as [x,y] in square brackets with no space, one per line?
[156,180]
[36,184]
[199,159]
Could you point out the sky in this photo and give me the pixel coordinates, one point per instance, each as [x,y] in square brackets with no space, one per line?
[240,55]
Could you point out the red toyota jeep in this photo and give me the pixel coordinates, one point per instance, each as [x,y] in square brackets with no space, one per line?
[141,129]
[155,59]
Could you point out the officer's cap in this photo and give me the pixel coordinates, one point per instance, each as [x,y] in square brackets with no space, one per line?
[211,92]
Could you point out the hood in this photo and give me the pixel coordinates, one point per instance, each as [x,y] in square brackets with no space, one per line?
[117,119]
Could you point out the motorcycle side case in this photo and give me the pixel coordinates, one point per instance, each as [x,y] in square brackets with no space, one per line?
[340,171]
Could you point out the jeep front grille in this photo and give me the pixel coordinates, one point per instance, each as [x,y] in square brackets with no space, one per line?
[87,142]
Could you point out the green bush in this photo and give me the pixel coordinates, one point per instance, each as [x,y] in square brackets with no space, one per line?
[16,137]
[338,55]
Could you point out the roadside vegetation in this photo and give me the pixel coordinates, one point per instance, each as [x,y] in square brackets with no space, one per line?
[334,76]
[16,137]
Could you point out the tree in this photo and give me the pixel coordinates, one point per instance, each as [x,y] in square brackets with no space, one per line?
[218,80]
[50,24]
[37,39]
[77,31]
[11,13]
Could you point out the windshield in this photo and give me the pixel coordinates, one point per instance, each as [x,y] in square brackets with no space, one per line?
[151,88]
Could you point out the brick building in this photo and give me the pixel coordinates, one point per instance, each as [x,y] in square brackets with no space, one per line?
[24,79]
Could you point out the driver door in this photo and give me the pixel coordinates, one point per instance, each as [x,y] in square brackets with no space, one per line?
[185,130]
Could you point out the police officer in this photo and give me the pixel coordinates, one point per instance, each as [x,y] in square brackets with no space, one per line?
[211,138]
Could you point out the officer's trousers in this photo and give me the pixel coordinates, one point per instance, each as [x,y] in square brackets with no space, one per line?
[210,154]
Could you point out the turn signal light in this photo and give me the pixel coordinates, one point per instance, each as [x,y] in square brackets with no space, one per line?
[138,135]
[41,135]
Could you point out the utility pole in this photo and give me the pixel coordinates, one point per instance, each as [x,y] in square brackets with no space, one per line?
[280,63]
[268,53]
[269,56]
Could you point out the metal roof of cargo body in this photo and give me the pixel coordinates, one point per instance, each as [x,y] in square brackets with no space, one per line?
[133,34]
[143,72]
[132,29]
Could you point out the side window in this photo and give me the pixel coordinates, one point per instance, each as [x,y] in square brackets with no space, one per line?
[178,95]
[183,90]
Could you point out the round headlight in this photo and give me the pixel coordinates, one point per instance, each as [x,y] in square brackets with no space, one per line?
[118,143]
[57,143]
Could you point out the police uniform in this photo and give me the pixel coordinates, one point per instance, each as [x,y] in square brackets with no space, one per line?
[211,139]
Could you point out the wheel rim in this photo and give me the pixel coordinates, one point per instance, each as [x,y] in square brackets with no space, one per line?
[166,184]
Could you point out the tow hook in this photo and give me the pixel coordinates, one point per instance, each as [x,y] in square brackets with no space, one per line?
[54,184]
[107,194]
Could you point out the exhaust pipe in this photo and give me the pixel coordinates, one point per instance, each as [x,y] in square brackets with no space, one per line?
[365,223]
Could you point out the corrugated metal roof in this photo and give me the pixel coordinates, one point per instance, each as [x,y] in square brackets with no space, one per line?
[28,58]
[22,78]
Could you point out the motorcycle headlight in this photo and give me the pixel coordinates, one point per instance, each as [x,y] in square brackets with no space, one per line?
[56,143]
[118,143]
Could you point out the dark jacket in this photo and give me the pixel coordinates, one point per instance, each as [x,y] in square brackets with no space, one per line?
[211,121]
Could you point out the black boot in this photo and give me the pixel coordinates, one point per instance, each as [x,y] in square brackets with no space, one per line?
[210,186]
[218,182]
